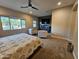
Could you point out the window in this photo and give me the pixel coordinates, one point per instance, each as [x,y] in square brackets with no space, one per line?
[34,23]
[23,23]
[12,23]
[5,23]
[15,24]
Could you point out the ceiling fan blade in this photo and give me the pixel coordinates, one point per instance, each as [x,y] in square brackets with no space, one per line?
[34,8]
[24,6]
[29,1]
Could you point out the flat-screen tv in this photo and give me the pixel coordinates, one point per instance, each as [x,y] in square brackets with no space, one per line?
[45,20]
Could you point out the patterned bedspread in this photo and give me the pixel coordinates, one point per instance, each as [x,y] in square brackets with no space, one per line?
[19,46]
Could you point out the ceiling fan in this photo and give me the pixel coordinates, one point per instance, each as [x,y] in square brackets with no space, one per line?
[30,5]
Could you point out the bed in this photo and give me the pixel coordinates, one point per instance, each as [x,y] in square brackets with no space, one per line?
[19,46]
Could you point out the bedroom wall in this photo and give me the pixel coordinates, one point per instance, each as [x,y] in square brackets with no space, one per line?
[65,23]
[61,20]
[9,12]
[74,28]
[74,31]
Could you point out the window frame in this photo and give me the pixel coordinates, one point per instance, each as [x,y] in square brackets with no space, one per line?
[34,23]
[21,23]
[10,22]
[2,22]
[14,25]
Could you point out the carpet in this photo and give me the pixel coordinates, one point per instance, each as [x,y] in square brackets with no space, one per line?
[53,48]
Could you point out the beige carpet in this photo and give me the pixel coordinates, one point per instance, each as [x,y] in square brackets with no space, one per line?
[53,48]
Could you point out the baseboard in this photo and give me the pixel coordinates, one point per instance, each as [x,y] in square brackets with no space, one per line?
[68,39]
[62,37]
[74,55]
[73,51]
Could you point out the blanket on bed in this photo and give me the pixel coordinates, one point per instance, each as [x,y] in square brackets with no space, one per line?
[19,46]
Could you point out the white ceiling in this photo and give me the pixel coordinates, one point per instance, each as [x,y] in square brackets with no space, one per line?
[44,6]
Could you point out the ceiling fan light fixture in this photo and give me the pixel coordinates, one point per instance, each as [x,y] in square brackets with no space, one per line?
[59,3]
[30,12]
